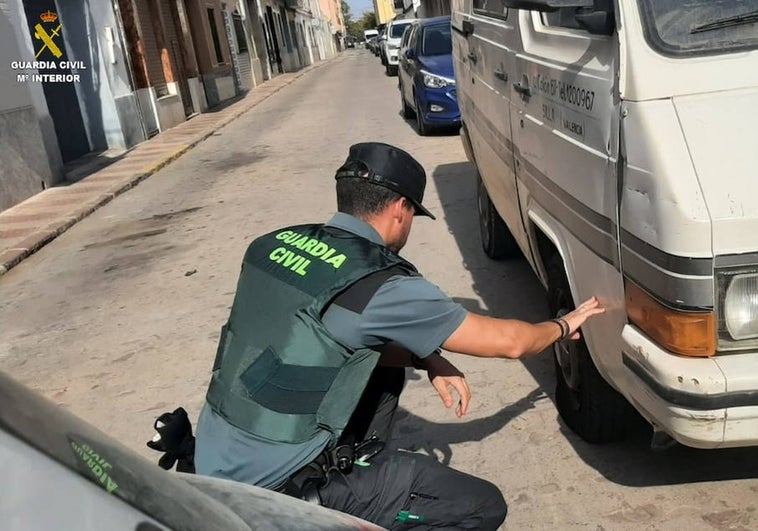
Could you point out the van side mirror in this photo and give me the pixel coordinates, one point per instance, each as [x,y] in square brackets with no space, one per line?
[599,22]
[596,19]
[409,53]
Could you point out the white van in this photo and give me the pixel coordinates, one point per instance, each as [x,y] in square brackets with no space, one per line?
[617,148]
[367,34]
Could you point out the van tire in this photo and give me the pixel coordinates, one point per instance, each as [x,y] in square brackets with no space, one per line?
[586,402]
[497,240]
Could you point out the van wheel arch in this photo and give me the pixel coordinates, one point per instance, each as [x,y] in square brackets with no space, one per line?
[585,401]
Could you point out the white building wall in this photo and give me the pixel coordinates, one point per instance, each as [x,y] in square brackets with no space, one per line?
[30,159]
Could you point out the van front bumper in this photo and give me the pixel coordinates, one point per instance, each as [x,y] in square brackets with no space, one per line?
[700,402]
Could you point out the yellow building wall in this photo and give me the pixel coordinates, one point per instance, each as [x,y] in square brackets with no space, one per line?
[385,11]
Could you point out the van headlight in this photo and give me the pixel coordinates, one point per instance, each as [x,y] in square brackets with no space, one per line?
[738,303]
[434,81]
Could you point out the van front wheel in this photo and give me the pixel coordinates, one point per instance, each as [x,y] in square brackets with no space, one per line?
[497,240]
[586,402]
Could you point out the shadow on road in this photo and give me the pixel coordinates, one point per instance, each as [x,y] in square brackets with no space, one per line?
[434,438]
[504,287]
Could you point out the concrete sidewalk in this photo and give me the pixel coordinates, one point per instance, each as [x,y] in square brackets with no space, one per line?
[28,226]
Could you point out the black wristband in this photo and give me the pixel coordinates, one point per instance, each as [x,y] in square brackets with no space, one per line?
[565,328]
[417,362]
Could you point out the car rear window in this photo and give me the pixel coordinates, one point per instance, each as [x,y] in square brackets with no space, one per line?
[436,40]
[397,30]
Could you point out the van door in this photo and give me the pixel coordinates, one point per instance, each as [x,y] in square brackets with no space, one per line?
[486,34]
[565,117]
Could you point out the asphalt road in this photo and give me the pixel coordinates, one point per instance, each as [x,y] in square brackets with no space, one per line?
[117,320]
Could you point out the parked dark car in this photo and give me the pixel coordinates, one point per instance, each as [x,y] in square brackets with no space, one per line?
[371,43]
[426,78]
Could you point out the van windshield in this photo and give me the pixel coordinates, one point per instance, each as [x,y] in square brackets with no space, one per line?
[700,27]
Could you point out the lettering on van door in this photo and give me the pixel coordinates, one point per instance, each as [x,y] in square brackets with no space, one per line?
[577,96]
[574,95]
[573,126]
[548,113]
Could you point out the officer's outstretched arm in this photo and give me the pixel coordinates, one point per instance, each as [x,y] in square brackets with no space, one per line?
[510,338]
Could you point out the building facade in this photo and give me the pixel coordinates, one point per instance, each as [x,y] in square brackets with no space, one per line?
[384,11]
[85,76]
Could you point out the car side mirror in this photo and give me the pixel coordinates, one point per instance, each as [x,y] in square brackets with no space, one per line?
[409,53]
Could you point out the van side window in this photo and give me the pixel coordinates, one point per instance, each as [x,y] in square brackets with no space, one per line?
[491,8]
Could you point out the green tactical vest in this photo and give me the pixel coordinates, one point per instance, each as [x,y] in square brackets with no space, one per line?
[278,373]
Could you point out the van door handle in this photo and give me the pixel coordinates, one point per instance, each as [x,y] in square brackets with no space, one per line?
[502,76]
[472,57]
[524,90]
[467,27]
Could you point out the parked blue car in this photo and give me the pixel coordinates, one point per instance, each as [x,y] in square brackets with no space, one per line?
[426,77]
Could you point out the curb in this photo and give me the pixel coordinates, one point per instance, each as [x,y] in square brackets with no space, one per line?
[30,244]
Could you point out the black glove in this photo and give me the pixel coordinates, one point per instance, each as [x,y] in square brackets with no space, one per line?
[175,439]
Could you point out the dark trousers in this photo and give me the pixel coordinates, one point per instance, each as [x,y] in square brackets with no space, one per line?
[406,486]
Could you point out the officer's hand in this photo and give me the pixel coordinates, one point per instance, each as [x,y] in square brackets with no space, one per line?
[584,311]
[445,375]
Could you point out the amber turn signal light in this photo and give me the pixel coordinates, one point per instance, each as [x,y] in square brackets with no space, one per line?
[686,333]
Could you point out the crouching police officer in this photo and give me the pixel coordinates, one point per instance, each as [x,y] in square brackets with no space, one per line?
[310,364]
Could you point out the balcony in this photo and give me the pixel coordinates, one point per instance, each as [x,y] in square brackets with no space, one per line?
[302,5]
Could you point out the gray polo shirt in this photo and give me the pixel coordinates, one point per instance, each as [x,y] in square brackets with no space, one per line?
[406,310]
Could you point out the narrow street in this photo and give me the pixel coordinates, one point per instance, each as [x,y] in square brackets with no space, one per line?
[117,319]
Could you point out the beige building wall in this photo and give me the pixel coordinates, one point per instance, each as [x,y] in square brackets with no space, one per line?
[384,10]
[332,9]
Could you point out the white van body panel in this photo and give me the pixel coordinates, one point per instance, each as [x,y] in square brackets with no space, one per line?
[651,203]
[589,277]
[636,166]
[719,130]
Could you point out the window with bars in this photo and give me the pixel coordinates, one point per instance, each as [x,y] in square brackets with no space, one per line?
[239,32]
[214,35]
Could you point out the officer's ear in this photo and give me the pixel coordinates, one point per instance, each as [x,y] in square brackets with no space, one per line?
[397,207]
[407,205]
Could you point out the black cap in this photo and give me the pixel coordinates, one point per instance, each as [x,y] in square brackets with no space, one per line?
[390,167]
